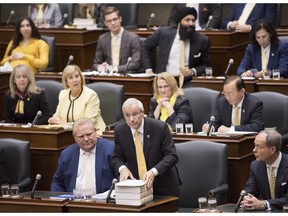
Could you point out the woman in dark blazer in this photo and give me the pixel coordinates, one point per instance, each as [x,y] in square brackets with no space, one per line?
[168,103]
[25,99]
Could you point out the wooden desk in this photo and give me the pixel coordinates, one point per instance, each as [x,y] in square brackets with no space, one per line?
[280,86]
[239,158]
[159,204]
[140,88]
[46,146]
[217,83]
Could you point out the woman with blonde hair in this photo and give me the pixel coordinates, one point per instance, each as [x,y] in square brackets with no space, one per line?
[24,99]
[168,103]
[77,100]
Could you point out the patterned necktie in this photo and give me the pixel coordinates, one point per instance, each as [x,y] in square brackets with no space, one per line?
[272,182]
[181,62]
[115,51]
[140,156]
[264,59]
[88,178]
[40,13]
[236,117]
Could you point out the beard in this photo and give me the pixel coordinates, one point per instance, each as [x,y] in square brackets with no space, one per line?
[186,32]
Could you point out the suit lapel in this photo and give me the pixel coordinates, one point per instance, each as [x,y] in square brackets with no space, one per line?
[281,174]
[98,160]
[244,109]
[146,138]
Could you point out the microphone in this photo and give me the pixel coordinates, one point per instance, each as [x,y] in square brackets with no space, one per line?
[208,22]
[71,58]
[242,194]
[126,66]
[39,113]
[65,16]
[231,61]
[108,198]
[212,119]
[152,15]
[37,179]
[12,12]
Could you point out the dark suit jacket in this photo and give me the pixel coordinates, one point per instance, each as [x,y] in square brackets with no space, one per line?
[4,176]
[32,104]
[130,47]
[159,152]
[258,183]
[64,179]
[204,11]
[182,114]
[260,11]
[278,59]
[251,114]
[163,38]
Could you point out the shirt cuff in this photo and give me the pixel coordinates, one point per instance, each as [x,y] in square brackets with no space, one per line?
[121,167]
[267,204]
[154,170]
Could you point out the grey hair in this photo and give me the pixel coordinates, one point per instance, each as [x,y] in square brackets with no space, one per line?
[132,101]
[82,121]
[273,138]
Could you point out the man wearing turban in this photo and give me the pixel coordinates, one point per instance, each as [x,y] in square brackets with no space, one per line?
[187,62]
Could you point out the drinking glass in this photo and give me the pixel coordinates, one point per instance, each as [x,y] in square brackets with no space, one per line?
[285,208]
[276,74]
[179,128]
[14,189]
[266,73]
[77,194]
[209,72]
[212,204]
[202,203]
[5,189]
[189,128]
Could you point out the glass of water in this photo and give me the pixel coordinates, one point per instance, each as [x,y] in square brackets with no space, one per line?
[209,72]
[202,201]
[179,128]
[276,74]
[212,204]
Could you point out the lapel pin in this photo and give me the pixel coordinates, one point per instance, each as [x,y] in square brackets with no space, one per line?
[148,136]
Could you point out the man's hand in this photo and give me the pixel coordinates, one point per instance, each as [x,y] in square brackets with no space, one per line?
[251,203]
[125,174]
[149,179]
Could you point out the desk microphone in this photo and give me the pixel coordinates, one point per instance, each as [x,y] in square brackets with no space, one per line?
[38,115]
[209,21]
[126,66]
[212,119]
[37,179]
[70,59]
[231,61]
[65,16]
[108,198]
[242,194]
[152,15]
[12,12]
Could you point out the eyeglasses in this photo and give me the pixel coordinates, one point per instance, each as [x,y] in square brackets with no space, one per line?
[111,20]
[228,94]
[133,115]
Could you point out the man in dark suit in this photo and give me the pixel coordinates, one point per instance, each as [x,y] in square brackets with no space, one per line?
[128,42]
[168,41]
[73,163]
[205,12]
[4,177]
[248,109]
[236,21]
[159,150]
[269,184]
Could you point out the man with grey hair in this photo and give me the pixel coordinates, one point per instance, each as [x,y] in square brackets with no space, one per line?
[268,174]
[85,165]
[144,149]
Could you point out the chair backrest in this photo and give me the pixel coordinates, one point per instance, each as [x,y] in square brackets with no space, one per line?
[202,166]
[128,13]
[51,43]
[18,160]
[203,103]
[51,89]
[111,98]
[69,9]
[275,110]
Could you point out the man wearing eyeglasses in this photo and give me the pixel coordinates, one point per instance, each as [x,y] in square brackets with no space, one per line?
[116,46]
[237,110]
[85,165]
[154,161]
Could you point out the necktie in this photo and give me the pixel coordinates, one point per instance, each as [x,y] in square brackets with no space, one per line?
[245,13]
[88,13]
[264,59]
[140,156]
[40,13]
[181,62]
[88,178]
[115,51]
[272,182]
[236,117]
